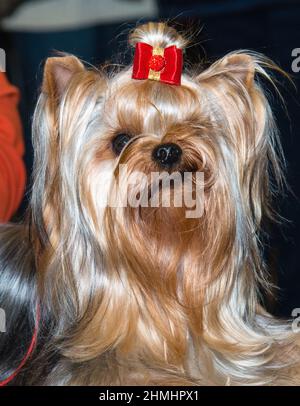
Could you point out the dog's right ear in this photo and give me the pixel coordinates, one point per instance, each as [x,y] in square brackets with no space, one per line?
[58,72]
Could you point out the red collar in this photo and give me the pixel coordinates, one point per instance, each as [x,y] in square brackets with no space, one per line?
[28,353]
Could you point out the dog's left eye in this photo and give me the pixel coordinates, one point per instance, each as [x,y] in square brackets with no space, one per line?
[119,142]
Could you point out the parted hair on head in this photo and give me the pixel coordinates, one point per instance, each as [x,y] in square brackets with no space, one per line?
[157,35]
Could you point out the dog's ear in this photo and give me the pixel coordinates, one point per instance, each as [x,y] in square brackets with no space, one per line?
[239,66]
[58,72]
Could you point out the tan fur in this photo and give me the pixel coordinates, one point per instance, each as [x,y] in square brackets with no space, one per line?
[145,295]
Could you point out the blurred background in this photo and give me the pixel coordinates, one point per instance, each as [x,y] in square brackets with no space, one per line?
[96,31]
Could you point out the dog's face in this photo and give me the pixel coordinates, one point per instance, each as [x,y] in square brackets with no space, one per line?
[155,140]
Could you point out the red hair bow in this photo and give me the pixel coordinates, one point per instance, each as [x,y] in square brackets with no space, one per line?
[164,65]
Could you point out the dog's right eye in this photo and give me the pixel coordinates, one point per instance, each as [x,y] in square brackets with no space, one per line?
[119,142]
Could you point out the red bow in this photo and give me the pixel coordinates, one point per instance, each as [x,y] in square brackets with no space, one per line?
[164,65]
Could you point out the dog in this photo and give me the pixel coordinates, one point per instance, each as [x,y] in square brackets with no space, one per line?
[97,291]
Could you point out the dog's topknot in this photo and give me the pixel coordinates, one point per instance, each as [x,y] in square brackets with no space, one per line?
[157,35]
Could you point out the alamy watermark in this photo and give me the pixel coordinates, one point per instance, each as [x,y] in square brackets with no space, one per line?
[2,60]
[157,189]
[296,61]
[2,321]
[296,321]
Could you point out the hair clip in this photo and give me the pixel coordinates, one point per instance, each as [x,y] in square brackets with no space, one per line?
[161,64]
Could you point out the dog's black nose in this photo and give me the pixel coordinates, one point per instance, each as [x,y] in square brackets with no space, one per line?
[167,155]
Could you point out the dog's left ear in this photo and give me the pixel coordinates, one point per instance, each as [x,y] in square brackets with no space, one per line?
[239,66]
[58,72]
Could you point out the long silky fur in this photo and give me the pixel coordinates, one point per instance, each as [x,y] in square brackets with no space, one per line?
[146,296]
[17,296]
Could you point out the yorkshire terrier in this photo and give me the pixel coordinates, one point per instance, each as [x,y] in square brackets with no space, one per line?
[113,279]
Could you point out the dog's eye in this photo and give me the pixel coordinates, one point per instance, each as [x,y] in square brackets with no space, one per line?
[119,142]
